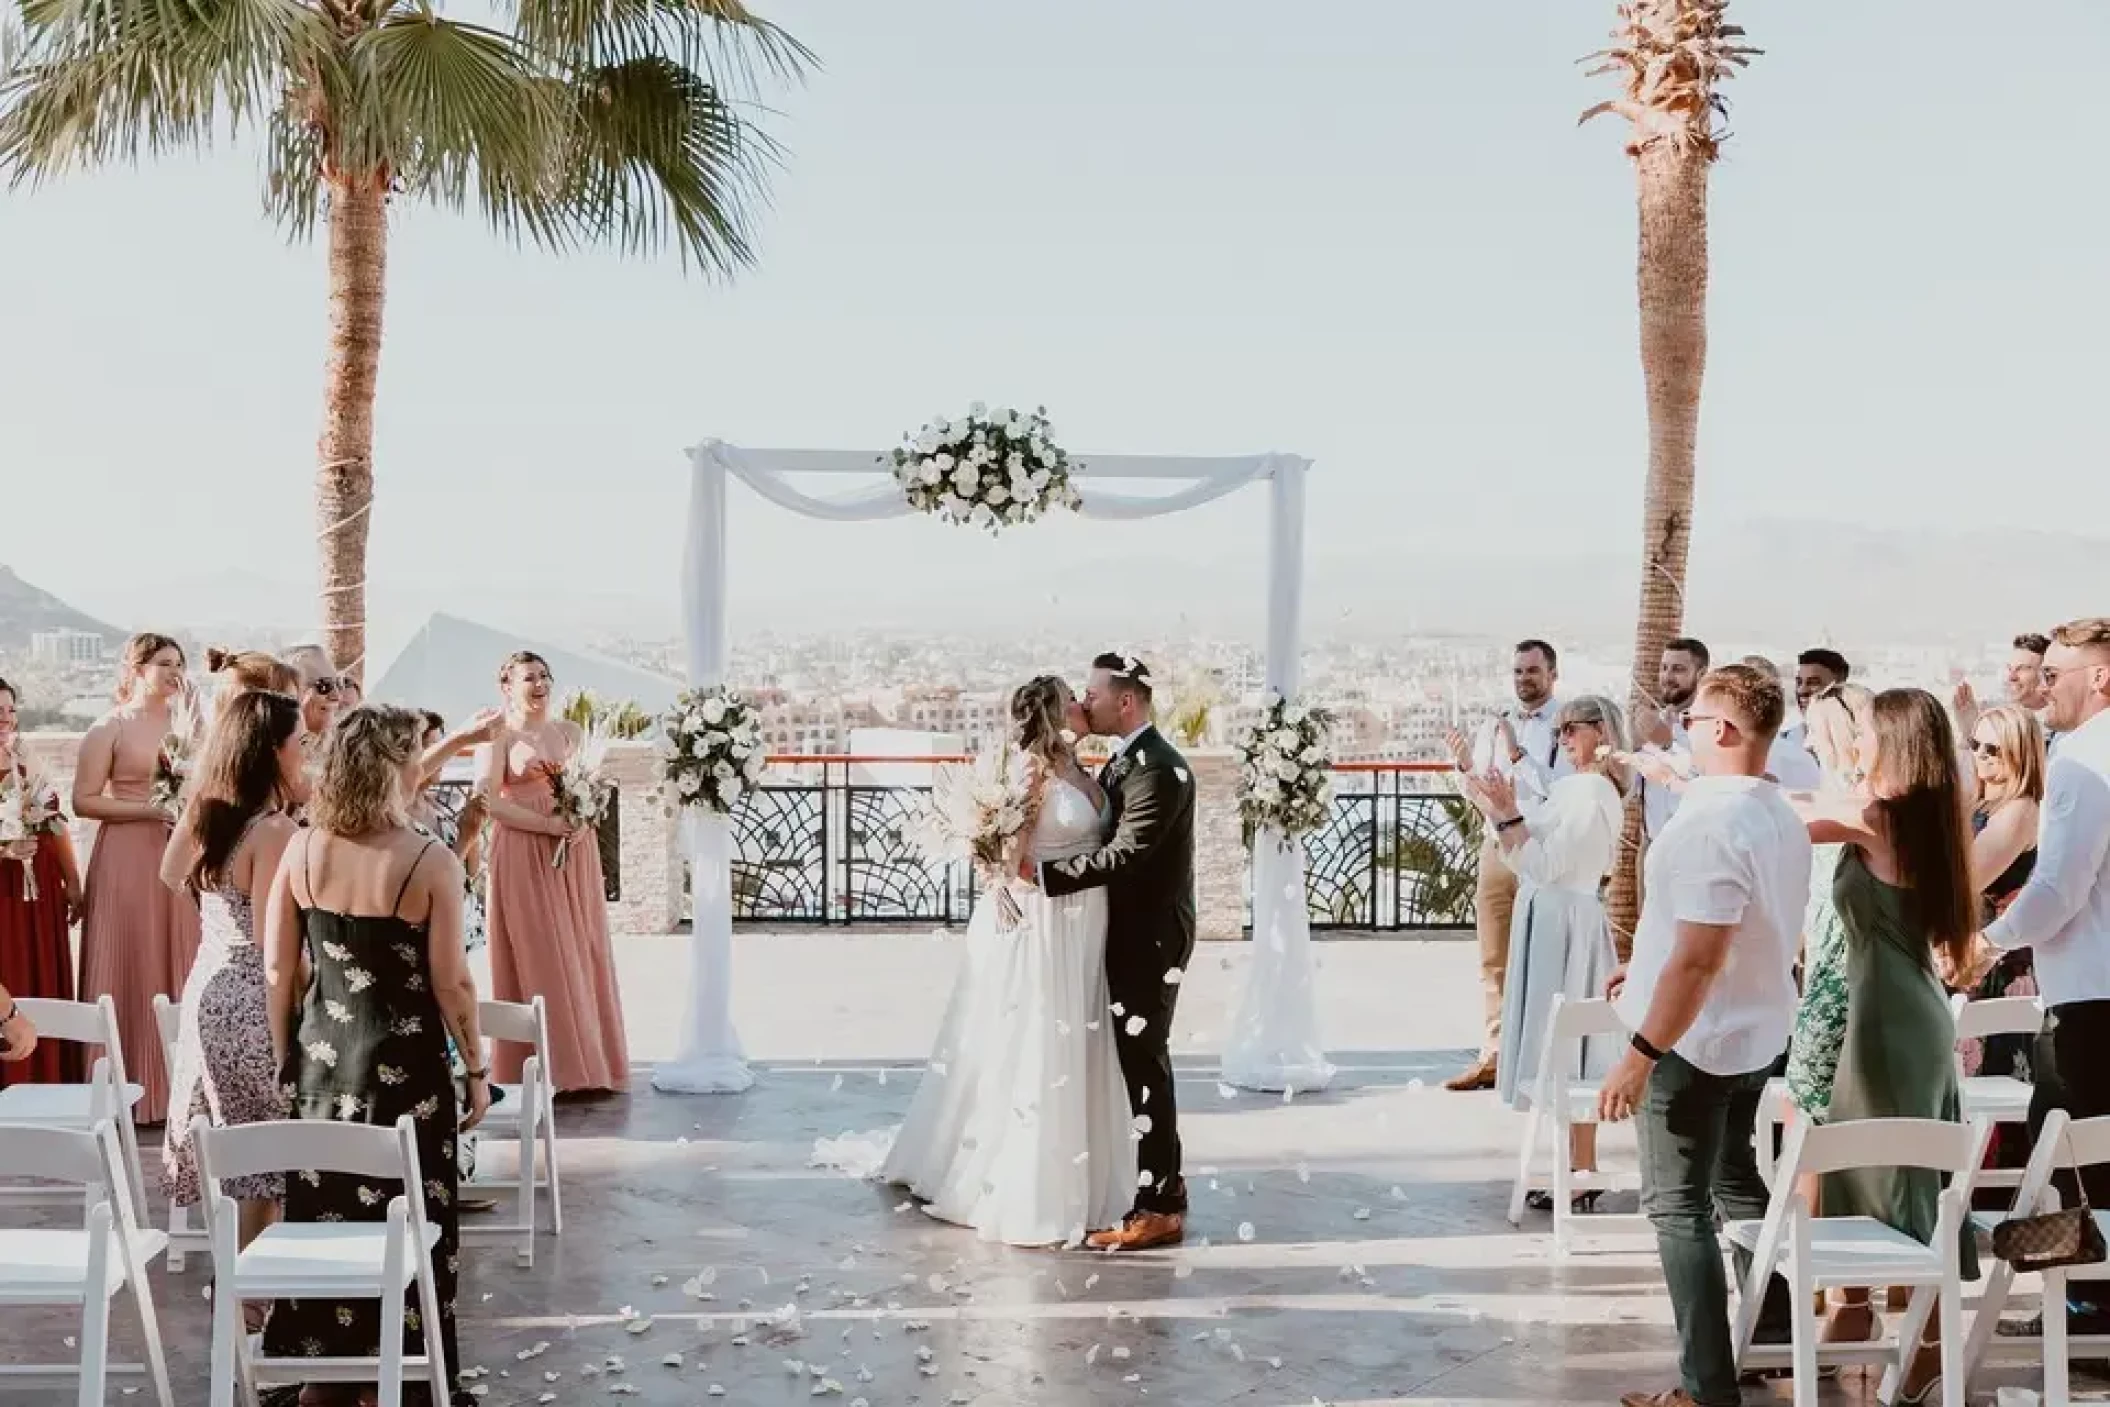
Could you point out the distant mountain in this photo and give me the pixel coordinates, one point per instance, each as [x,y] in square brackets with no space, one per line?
[25,610]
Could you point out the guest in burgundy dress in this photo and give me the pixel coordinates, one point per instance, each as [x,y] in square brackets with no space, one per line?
[40,889]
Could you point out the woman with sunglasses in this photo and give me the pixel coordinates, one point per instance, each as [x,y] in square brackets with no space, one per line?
[2007,760]
[317,688]
[1559,943]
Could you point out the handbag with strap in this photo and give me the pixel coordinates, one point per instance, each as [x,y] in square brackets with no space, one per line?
[2052,1239]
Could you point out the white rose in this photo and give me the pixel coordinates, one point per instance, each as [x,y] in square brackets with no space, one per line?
[955,506]
[698,748]
[723,771]
[930,472]
[964,479]
[1296,716]
[1267,793]
[713,710]
[977,411]
[755,766]
[998,495]
[982,516]
[926,442]
[1314,754]
[1287,770]
[1285,740]
[729,794]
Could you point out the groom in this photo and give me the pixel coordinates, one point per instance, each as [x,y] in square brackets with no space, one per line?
[1147,870]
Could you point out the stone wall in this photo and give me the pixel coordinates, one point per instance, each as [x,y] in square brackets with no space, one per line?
[1219,845]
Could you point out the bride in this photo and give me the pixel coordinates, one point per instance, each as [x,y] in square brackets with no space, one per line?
[1021,1126]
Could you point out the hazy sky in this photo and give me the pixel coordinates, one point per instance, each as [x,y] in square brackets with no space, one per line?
[1365,230]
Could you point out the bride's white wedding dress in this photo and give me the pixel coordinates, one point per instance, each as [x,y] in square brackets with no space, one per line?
[1021,1127]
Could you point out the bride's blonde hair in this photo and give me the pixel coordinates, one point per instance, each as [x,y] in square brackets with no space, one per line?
[1037,708]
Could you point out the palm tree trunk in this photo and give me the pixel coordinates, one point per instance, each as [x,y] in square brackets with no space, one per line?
[1673,292]
[344,470]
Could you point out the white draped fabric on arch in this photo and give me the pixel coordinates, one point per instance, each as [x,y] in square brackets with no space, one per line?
[1274,1042]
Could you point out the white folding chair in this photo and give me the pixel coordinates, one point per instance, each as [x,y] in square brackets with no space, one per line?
[183,1239]
[320,1260]
[1997,1099]
[1558,1102]
[1775,1108]
[80,1107]
[1816,1253]
[87,1267]
[2061,1144]
[526,1113]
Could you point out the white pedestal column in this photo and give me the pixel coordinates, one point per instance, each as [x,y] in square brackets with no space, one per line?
[711,1060]
[1274,1041]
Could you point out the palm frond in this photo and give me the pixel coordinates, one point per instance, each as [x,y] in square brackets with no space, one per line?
[657,158]
[94,81]
[453,113]
[722,39]
[1670,56]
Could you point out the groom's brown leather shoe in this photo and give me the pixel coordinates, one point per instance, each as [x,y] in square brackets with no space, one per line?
[1141,1232]
[1480,1075]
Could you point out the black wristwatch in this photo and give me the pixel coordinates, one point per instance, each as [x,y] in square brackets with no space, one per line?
[1501,826]
[1647,1052]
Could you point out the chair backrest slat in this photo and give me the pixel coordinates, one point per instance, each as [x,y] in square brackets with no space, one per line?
[57,1155]
[507,1021]
[168,1016]
[1997,1016]
[301,1145]
[79,1022]
[1890,1143]
[1573,1020]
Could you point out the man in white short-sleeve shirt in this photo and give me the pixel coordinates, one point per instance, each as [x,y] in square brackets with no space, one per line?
[1709,996]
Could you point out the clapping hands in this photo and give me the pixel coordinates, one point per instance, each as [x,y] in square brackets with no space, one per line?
[1494,794]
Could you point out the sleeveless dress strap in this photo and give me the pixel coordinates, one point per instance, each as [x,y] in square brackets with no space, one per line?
[396,909]
[308,869]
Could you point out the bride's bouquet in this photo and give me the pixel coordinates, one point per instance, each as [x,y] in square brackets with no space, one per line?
[178,755]
[982,812]
[581,790]
[29,810]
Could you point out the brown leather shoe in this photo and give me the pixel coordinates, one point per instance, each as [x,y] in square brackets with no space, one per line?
[1141,1232]
[1676,1397]
[1480,1075]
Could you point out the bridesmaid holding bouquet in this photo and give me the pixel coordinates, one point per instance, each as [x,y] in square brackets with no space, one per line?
[548,920]
[40,890]
[138,937]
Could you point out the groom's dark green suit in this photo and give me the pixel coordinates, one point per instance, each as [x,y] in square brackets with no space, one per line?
[1147,869]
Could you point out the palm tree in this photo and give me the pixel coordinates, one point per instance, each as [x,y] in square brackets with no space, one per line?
[1671,56]
[616,122]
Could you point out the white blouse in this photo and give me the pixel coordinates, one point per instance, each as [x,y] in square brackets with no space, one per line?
[1574,835]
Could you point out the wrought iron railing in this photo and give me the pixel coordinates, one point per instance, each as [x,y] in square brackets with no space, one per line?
[1400,851]
[824,841]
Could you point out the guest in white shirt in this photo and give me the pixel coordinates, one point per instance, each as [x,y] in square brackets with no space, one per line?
[1522,745]
[1678,675]
[1709,996]
[1789,761]
[2063,911]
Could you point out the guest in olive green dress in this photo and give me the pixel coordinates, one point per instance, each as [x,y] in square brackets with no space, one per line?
[1903,892]
[1896,1061]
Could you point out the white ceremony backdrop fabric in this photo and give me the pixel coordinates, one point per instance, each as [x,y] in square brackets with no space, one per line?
[1274,1043]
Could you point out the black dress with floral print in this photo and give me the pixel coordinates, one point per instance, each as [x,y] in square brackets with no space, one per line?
[371,1047]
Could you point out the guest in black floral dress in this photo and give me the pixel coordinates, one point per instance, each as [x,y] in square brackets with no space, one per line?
[375,907]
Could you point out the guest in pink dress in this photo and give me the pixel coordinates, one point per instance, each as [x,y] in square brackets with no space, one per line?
[138,937]
[548,923]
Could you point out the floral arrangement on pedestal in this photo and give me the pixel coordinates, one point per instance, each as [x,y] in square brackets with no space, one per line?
[1285,779]
[710,750]
[987,469]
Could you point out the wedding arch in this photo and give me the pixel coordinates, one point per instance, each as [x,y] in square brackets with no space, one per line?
[1274,1042]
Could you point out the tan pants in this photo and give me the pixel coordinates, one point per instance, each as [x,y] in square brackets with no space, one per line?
[1494,900]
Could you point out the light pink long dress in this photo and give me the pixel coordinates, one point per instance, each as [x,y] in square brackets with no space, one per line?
[138,939]
[549,938]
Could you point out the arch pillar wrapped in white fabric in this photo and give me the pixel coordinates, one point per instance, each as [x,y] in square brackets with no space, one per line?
[1274,1043]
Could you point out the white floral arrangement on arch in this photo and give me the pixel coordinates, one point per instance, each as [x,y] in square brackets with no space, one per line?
[1285,779]
[986,469]
[710,750]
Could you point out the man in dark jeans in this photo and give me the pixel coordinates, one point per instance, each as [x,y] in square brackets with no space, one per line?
[1710,999]
[2062,914]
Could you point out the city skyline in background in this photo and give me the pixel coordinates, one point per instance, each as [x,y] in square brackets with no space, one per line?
[1244,236]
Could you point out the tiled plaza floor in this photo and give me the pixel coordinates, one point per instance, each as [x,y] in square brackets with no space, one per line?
[1346,1248]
